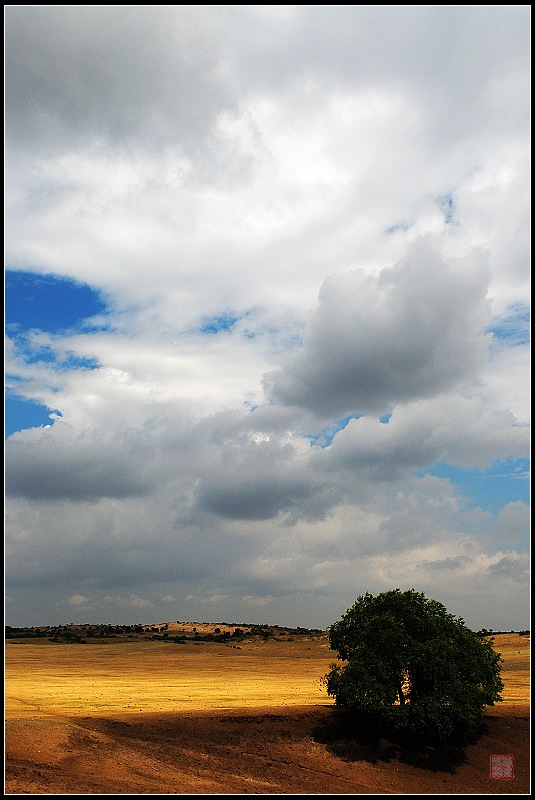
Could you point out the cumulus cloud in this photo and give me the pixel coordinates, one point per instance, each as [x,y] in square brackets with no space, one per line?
[412,331]
[451,428]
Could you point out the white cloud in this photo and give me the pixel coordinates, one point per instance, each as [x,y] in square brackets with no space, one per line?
[77,600]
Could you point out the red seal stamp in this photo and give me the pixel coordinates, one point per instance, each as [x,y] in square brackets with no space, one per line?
[502,767]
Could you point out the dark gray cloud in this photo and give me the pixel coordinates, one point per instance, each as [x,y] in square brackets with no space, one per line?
[79,74]
[108,557]
[250,473]
[508,567]
[243,499]
[55,467]
[414,330]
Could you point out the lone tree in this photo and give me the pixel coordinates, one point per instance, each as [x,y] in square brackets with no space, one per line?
[412,667]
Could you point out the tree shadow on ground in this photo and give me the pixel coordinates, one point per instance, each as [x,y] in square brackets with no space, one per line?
[352,740]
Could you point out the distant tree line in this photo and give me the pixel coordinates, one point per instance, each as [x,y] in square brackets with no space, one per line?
[73,633]
[80,633]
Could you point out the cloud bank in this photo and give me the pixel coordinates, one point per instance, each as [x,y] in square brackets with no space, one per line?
[308,230]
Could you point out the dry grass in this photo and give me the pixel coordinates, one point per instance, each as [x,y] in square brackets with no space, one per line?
[515,652]
[151,676]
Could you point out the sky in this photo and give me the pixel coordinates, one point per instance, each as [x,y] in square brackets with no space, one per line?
[267,294]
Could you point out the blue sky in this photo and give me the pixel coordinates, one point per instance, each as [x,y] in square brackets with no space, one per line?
[46,304]
[268,316]
[490,489]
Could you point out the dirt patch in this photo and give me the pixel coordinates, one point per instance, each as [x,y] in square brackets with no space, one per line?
[283,751]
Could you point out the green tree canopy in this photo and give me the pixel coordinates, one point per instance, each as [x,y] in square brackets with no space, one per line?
[412,667]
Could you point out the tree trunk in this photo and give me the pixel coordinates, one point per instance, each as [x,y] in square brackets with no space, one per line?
[401,695]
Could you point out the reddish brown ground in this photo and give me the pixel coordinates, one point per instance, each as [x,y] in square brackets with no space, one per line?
[287,749]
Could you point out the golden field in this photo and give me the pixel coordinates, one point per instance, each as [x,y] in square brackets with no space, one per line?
[151,676]
[138,716]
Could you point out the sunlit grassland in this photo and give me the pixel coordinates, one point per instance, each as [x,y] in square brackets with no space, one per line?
[132,676]
[123,677]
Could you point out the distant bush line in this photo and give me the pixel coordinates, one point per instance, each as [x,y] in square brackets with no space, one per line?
[80,634]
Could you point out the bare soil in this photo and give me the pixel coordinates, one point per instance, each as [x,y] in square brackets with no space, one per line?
[153,718]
